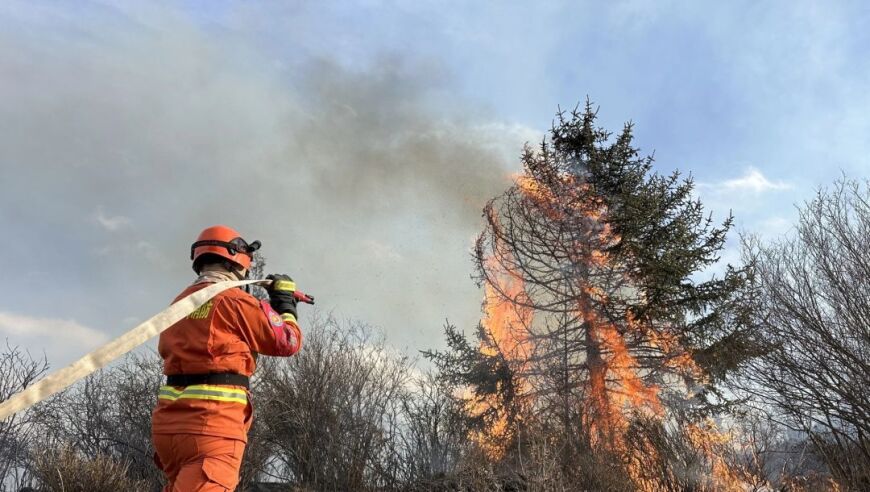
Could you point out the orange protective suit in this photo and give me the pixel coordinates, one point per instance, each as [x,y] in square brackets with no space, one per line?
[200,431]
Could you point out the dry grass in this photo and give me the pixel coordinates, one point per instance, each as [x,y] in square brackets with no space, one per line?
[64,470]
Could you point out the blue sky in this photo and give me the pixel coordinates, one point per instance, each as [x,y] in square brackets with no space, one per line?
[359,140]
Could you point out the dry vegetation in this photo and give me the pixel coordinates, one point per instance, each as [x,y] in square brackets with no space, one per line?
[347,413]
[350,414]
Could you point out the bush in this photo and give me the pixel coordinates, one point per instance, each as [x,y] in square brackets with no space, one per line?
[64,470]
[331,413]
[17,371]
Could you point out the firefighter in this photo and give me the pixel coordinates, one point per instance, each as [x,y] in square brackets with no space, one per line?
[203,414]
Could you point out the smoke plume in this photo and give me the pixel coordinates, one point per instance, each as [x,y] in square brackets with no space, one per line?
[124,134]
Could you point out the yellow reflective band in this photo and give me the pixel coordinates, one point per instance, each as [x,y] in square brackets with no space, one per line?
[204,392]
[207,387]
[287,317]
[285,285]
[214,397]
[162,396]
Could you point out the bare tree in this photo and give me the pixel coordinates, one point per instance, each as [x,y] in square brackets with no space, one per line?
[331,413]
[18,369]
[435,438]
[813,305]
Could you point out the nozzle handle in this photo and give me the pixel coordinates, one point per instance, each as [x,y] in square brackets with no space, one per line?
[303,297]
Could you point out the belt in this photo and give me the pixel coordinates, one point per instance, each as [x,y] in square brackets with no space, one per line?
[228,378]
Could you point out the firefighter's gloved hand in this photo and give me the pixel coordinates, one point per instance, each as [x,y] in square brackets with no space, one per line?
[281,294]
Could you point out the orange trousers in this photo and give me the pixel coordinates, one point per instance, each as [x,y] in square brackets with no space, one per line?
[194,463]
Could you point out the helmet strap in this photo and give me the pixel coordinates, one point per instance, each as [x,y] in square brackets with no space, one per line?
[235,269]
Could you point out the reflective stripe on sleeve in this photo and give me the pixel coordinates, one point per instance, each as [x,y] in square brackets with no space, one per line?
[203,392]
[288,317]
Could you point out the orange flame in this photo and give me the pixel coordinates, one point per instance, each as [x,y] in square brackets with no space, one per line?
[712,443]
[506,321]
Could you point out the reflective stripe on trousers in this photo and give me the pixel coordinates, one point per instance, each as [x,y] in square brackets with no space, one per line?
[204,392]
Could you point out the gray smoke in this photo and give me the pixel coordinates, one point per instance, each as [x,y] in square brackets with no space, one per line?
[120,139]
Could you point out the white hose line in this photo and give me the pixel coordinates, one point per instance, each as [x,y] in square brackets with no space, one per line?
[66,377]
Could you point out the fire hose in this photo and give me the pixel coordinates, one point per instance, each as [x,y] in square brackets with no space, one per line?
[100,357]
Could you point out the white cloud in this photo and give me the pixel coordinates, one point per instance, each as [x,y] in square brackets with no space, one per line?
[61,340]
[112,223]
[752,180]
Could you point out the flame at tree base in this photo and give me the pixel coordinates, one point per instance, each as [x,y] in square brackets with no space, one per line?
[506,324]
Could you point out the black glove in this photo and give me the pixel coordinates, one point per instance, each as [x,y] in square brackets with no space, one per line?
[281,294]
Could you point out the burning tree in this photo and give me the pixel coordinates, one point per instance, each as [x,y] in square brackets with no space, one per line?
[597,327]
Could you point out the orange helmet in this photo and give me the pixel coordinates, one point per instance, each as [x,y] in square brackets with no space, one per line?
[225,242]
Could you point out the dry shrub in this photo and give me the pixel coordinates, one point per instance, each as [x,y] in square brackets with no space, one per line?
[18,369]
[107,415]
[331,413]
[812,482]
[64,470]
[549,460]
[435,434]
[813,312]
